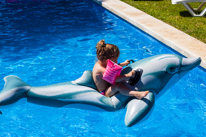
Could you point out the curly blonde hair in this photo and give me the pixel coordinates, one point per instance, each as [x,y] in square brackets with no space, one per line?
[106,51]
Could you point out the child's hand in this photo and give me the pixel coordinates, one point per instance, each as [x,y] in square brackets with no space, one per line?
[125,63]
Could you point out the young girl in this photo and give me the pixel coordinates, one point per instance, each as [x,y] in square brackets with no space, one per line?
[110,51]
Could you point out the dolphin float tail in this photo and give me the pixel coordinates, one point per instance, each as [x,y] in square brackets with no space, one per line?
[14,89]
[137,110]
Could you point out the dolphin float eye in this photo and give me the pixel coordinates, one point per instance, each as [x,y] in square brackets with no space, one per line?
[171,69]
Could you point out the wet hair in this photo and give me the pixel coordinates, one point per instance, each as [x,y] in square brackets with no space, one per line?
[106,51]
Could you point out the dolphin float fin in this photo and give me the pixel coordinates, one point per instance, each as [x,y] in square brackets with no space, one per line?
[14,89]
[139,109]
[12,81]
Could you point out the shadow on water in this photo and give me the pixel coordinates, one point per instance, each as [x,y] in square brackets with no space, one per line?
[36,23]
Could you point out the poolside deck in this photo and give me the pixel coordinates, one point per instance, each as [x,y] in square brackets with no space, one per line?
[172,37]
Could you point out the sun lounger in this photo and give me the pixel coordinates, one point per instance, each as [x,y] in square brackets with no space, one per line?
[190,9]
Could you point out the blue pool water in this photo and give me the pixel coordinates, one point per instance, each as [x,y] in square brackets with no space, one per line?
[48,41]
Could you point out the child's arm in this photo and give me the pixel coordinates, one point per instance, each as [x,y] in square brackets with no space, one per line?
[124,63]
[121,78]
[124,77]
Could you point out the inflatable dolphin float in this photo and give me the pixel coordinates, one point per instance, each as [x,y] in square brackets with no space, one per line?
[159,74]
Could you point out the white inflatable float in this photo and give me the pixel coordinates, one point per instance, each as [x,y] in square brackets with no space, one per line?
[159,74]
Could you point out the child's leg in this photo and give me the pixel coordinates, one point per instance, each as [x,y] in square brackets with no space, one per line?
[124,91]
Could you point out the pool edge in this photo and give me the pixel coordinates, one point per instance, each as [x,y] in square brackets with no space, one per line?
[170,36]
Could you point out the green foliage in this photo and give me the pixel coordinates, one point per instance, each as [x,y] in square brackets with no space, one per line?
[175,15]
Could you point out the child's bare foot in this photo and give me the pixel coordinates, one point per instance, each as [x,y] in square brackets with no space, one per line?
[141,95]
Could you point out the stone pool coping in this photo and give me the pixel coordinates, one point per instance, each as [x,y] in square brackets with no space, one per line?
[172,37]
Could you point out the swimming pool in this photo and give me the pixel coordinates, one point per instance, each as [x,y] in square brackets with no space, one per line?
[48,42]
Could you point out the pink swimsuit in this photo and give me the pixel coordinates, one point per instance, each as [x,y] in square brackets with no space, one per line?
[102,92]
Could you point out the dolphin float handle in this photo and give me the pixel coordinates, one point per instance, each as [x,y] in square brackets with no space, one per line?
[0,112]
[131,60]
[138,74]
